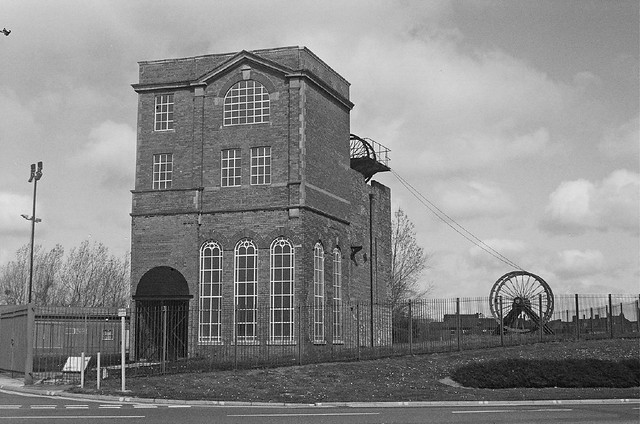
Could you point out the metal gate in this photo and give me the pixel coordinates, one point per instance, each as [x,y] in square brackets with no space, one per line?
[162,328]
[16,327]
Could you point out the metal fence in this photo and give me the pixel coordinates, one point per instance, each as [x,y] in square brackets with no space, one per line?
[171,337]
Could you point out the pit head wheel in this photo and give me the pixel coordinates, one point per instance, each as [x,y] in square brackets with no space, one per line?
[527,302]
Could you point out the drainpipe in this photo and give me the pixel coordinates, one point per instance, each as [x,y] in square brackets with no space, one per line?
[371,260]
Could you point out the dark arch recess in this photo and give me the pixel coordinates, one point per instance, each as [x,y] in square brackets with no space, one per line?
[162,282]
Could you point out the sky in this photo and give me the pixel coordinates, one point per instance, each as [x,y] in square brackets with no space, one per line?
[518,119]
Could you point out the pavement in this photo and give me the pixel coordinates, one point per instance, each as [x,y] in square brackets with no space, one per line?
[16,384]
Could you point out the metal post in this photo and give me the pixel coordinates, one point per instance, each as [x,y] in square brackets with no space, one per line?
[164,339]
[610,318]
[35,176]
[299,334]
[122,352]
[358,327]
[371,262]
[28,363]
[82,370]
[638,315]
[98,371]
[235,337]
[542,323]
[501,323]
[410,329]
[458,322]
[577,318]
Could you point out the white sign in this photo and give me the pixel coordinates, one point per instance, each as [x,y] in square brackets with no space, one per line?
[122,312]
[74,363]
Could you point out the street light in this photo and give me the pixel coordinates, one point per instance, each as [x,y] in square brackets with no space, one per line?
[36,174]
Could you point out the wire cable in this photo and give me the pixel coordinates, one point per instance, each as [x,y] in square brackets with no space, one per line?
[458,228]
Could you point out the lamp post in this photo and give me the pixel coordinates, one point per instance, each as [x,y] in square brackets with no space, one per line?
[36,174]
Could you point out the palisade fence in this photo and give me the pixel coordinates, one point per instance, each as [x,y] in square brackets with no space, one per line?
[169,339]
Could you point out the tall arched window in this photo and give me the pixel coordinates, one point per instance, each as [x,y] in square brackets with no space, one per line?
[282,286]
[246,290]
[247,102]
[337,295]
[318,293]
[210,300]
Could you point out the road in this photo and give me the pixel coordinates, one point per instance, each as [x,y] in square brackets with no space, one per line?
[21,408]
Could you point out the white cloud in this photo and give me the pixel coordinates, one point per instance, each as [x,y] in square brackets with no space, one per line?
[622,142]
[577,263]
[11,207]
[110,153]
[581,205]
[473,199]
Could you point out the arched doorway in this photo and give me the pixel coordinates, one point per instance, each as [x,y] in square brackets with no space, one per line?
[162,315]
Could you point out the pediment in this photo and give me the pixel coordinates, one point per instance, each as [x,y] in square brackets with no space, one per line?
[243,58]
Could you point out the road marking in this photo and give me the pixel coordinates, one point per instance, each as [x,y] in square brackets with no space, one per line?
[109,406]
[72,417]
[43,407]
[10,406]
[497,411]
[145,406]
[76,406]
[337,414]
[178,406]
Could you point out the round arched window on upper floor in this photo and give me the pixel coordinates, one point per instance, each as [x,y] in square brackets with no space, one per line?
[246,102]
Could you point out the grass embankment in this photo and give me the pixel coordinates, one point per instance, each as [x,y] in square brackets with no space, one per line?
[408,378]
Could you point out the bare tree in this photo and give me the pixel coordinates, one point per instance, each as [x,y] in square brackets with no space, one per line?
[409,261]
[92,277]
[87,276]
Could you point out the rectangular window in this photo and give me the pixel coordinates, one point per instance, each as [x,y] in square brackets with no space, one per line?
[164,112]
[260,165]
[107,335]
[162,171]
[231,171]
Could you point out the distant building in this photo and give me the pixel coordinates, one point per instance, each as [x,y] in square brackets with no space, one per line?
[251,198]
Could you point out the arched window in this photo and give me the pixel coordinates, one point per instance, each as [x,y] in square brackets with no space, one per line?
[210,300]
[318,293]
[247,102]
[337,295]
[282,291]
[246,290]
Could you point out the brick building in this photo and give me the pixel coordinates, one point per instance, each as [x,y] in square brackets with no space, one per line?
[252,197]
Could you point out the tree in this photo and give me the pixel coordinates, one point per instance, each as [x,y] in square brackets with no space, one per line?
[409,261]
[87,276]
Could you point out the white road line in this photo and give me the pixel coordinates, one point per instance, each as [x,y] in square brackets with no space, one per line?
[498,411]
[110,406]
[72,417]
[337,414]
[43,407]
[10,406]
[145,406]
[178,406]
[76,406]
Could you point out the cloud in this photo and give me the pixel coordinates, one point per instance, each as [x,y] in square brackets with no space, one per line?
[578,263]
[473,199]
[622,142]
[581,205]
[110,154]
[11,207]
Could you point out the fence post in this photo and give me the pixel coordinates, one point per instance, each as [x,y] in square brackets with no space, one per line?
[638,314]
[610,318]
[541,324]
[164,339]
[458,322]
[28,362]
[577,319]
[98,371]
[410,329]
[235,337]
[299,334]
[82,369]
[501,326]
[122,314]
[358,327]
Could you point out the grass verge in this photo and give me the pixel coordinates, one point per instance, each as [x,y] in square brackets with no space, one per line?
[407,378]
